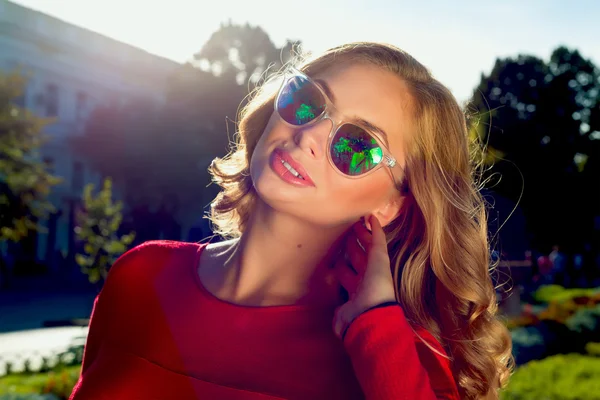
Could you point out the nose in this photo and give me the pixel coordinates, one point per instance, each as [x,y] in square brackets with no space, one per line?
[312,139]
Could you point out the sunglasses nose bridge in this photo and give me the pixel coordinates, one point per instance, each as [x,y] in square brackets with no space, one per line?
[327,116]
[335,123]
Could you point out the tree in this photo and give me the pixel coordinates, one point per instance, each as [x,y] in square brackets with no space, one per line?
[97,228]
[151,152]
[238,56]
[540,121]
[242,52]
[25,181]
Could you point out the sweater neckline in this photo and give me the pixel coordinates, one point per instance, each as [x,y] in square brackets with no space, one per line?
[218,302]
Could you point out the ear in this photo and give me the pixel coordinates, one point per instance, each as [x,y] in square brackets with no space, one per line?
[388,212]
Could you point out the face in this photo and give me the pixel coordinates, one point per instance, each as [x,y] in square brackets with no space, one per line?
[326,197]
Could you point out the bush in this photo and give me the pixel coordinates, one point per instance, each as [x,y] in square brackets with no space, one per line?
[593,349]
[560,305]
[561,377]
[98,229]
[28,397]
[546,293]
[559,311]
[557,293]
[58,384]
[544,339]
[586,324]
[521,321]
[528,344]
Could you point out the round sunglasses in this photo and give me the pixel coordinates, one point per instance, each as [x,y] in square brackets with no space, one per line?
[353,150]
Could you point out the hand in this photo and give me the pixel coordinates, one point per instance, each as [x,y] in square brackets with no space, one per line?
[368,280]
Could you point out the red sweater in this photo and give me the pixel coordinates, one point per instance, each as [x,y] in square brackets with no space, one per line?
[157,333]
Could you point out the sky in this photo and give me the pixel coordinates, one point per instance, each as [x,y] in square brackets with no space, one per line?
[457,40]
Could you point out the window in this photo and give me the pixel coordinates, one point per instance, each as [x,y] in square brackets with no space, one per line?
[77,182]
[81,106]
[51,100]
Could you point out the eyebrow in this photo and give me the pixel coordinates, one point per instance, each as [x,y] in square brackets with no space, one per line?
[361,121]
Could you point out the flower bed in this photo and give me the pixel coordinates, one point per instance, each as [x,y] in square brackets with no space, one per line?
[566,324]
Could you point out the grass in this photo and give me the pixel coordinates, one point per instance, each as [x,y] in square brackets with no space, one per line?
[59,383]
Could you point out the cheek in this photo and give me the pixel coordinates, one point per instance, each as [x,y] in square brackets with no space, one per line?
[264,139]
[260,156]
[352,198]
[269,186]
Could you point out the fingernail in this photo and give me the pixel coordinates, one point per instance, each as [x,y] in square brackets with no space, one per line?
[368,223]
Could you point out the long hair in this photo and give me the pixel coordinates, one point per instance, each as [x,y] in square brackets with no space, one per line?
[438,244]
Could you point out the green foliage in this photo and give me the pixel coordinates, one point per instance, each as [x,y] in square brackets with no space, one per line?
[45,366]
[593,349]
[521,321]
[30,396]
[564,326]
[557,293]
[98,229]
[540,119]
[560,311]
[561,377]
[24,179]
[545,293]
[57,384]
[27,366]
[242,51]
[586,322]
[529,343]
[73,355]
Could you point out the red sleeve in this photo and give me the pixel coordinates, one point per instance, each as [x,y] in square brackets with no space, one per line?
[103,306]
[391,362]
[93,339]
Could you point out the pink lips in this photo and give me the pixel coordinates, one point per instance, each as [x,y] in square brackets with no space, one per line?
[276,162]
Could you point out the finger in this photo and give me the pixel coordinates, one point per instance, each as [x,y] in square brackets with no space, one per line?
[346,276]
[339,321]
[378,234]
[356,253]
[363,234]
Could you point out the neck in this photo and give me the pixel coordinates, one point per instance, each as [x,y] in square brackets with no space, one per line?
[281,259]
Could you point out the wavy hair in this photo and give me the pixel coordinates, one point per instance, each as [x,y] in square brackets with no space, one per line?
[438,244]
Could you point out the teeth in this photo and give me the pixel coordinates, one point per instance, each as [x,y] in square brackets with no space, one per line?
[292,170]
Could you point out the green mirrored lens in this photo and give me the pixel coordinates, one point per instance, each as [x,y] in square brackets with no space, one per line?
[354,151]
[300,101]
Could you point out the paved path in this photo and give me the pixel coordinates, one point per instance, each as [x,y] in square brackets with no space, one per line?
[22,332]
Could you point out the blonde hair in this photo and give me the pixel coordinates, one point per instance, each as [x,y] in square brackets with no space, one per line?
[438,244]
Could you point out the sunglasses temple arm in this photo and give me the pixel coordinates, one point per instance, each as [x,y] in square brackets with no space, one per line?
[397,174]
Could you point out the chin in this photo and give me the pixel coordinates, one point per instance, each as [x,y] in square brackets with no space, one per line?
[274,192]
[298,204]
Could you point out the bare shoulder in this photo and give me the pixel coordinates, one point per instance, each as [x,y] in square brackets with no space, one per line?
[216,254]
[211,265]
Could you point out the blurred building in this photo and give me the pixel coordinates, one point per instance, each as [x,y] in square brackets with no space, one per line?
[70,71]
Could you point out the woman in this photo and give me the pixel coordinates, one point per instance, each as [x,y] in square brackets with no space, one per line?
[359,180]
